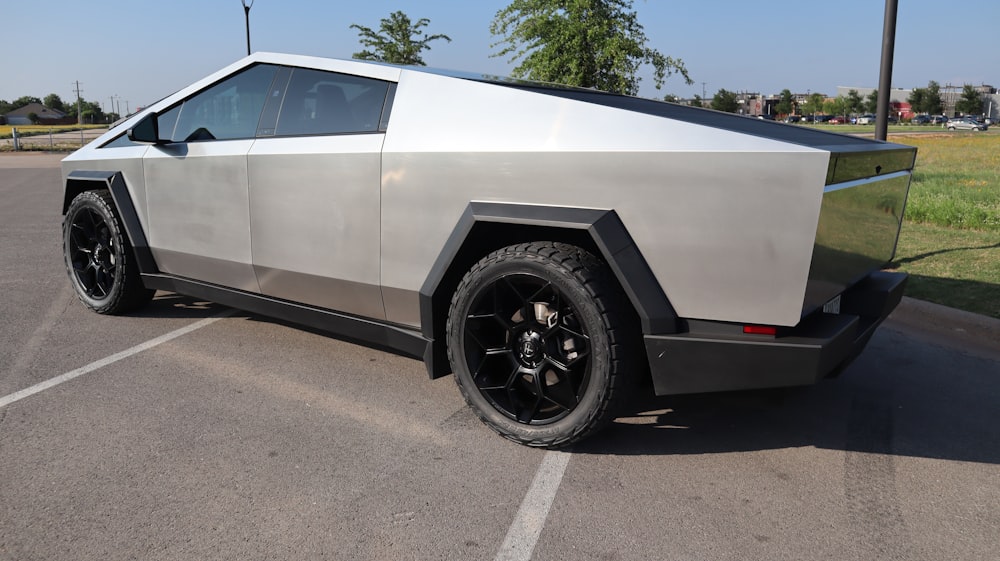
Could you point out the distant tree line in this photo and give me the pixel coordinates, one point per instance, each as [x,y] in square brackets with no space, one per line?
[91,111]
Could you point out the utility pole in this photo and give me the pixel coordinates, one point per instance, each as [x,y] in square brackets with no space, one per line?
[246,11]
[79,104]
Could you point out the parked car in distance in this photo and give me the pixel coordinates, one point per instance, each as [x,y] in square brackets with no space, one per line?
[793,119]
[553,247]
[938,119]
[867,119]
[966,124]
[838,120]
[921,120]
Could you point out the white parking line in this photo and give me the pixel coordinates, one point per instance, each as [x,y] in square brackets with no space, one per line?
[51,382]
[530,519]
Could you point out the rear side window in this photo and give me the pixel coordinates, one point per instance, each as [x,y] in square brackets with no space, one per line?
[318,102]
[228,110]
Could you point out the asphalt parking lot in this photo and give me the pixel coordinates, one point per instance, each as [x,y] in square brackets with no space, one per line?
[244,438]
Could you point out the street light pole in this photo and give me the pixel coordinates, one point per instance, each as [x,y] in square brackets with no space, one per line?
[885,72]
[246,12]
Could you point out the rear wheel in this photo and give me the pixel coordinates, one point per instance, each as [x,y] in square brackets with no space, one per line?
[99,258]
[536,338]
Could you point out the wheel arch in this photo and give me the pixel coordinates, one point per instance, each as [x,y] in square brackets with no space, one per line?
[79,181]
[485,227]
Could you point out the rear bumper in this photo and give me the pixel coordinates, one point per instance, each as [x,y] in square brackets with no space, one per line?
[717,358]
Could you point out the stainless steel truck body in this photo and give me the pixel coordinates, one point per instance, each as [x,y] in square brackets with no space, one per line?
[548,245]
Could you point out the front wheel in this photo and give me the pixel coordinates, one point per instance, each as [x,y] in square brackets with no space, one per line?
[536,337]
[99,258]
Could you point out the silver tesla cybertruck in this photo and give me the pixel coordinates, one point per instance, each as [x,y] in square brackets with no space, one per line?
[550,246]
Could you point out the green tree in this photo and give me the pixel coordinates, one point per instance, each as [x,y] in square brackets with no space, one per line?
[971,102]
[932,98]
[725,100]
[926,100]
[839,105]
[53,101]
[786,103]
[813,104]
[697,101]
[587,43]
[917,100]
[5,107]
[90,110]
[33,117]
[871,102]
[398,40]
[855,103]
[671,98]
[24,100]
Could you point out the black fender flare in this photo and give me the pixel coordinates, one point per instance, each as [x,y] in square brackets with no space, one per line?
[87,180]
[605,229]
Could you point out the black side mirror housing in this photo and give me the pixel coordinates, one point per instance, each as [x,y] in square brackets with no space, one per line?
[146,131]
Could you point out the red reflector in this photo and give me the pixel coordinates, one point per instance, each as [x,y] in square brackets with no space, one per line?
[760,330]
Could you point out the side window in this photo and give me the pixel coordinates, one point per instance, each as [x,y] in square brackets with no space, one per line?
[318,102]
[166,122]
[227,110]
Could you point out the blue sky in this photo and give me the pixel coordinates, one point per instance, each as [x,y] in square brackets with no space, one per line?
[144,50]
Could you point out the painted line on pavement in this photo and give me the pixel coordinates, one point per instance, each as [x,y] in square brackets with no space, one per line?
[530,519]
[52,382]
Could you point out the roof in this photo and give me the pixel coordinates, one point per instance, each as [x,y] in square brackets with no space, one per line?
[42,111]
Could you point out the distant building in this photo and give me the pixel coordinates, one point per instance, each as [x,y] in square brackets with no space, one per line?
[949,95]
[45,115]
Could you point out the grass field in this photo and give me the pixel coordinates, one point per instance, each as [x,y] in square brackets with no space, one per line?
[870,129]
[29,130]
[950,241]
[956,181]
[957,268]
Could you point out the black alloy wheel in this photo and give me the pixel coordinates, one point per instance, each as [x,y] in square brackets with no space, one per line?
[92,253]
[527,349]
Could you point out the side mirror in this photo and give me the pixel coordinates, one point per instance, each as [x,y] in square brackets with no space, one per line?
[146,131]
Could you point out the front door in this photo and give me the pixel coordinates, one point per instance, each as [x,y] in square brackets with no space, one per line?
[315,194]
[197,184]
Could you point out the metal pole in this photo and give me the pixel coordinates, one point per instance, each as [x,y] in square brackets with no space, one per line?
[885,72]
[246,11]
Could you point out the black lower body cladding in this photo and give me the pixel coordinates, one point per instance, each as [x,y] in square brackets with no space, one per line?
[707,360]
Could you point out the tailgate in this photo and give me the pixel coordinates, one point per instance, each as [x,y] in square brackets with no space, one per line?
[859,219]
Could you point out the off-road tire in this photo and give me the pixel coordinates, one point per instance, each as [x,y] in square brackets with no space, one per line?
[99,258]
[592,313]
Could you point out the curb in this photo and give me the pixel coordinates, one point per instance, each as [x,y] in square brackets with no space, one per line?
[939,323]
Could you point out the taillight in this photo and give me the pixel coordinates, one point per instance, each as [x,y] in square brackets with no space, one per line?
[760,330]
